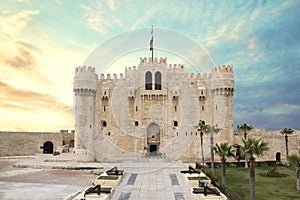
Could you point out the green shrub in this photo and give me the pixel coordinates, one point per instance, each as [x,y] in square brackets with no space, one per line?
[108,177]
[273,172]
[192,178]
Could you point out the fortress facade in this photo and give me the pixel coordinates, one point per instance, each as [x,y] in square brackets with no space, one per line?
[150,111]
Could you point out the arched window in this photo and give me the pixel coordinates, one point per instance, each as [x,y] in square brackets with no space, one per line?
[278,157]
[148,81]
[175,123]
[157,81]
[104,124]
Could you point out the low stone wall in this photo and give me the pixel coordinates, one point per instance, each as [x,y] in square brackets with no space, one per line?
[276,142]
[30,143]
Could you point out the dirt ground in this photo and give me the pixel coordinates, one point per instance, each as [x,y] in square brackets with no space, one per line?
[48,176]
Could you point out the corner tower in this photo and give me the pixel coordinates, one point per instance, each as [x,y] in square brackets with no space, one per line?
[85,86]
[222,89]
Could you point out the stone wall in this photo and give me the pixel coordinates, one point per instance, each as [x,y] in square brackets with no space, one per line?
[30,143]
[276,142]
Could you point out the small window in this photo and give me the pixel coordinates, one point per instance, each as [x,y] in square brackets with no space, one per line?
[148,81]
[104,124]
[216,107]
[104,92]
[90,125]
[175,108]
[202,108]
[185,133]
[136,108]
[191,133]
[175,123]
[201,92]
[108,134]
[157,81]
[177,133]
[104,108]
[136,123]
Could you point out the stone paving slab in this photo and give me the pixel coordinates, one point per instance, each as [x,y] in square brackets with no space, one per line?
[34,191]
[153,181]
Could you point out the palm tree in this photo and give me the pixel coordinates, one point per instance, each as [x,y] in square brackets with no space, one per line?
[295,162]
[202,128]
[245,127]
[224,151]
[254,147]
[286,131]
[212,130]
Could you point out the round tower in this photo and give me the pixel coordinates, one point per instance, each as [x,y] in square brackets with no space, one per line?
[222,89]
[85,86]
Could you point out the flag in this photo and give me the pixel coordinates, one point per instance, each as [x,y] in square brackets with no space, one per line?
[151,41]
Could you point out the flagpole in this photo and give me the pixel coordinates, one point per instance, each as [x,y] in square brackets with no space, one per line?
[151,43]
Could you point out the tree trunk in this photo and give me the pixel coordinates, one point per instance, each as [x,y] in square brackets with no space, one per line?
[212,152]
[287,150]
[202,153]
[252,179]
[246,159]
[223,171]
[298,180]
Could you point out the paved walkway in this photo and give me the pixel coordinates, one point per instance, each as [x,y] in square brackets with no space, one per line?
[153,180]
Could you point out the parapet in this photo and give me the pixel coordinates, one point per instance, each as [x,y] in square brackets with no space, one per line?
[108,77]
[222,78]
[85,78]
[85,69]
[222,69]
[155,61]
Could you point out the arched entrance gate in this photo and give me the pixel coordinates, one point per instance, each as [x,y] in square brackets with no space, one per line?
[48,147]
[153,138]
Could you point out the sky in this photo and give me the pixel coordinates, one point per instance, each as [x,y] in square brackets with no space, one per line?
[41,43]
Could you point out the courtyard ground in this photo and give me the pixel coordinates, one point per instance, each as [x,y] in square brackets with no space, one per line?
[58,177]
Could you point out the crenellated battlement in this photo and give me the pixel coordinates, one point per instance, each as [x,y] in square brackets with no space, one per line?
[222,69]
[84,69]
[195,77]
[109,77]
[85,79]
[146,60]
[178,67]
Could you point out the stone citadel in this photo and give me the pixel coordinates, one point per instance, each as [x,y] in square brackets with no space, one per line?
[153,109]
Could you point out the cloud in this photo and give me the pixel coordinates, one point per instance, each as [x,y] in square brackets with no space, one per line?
[94,17]
[29,110]
[21,99]
[15,23]
[23,58]
[111,4]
